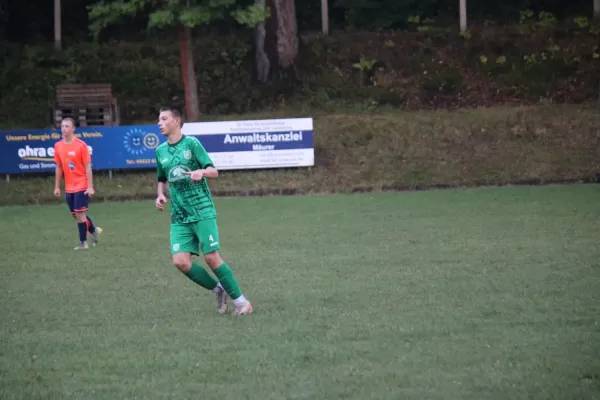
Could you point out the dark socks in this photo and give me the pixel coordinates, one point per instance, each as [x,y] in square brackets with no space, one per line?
[82,231]
[90,225]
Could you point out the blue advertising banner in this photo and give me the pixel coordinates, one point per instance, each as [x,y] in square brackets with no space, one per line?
[116,147]
[250,144]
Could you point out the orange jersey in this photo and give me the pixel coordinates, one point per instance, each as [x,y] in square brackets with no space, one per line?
[73,157]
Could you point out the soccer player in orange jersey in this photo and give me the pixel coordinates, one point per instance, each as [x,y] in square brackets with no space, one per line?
[74,162]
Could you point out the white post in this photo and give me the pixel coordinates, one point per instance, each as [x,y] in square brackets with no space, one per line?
[57,26]
[596,8]
[463,15]
[325,16]
[7,178]
[110,174]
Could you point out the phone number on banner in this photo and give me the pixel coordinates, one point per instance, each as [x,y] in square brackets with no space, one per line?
[263,159]
[141,161]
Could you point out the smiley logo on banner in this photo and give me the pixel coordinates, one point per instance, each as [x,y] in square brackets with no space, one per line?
[151,141]
[133,141]
[137,141]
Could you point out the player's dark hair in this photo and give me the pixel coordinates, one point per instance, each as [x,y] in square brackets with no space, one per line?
[175,113]
[69,119]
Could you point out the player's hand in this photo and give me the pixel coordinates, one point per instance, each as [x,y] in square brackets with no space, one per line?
[90,191]
[57,192]
[196,175]
[160,200]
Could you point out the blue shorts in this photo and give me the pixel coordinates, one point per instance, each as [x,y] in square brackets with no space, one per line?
[78,201]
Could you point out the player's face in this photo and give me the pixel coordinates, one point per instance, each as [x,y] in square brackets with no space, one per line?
[167,123]
[67,129]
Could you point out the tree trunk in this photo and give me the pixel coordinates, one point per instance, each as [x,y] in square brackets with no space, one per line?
[287,32]
[263,65]
[277,38]
[188,72]
[463,15]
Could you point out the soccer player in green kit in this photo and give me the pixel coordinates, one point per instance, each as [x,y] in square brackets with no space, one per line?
[183,164]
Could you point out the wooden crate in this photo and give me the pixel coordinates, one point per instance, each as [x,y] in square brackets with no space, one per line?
[88,104]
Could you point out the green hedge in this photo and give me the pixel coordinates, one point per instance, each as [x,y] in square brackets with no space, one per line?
[429,68]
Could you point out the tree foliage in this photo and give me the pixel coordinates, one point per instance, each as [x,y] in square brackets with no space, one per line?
[29,22]
[165,13]
[184,14]
[394,14]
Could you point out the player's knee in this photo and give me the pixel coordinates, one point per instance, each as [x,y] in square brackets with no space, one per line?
[80,217]
[184,264]
[213,259]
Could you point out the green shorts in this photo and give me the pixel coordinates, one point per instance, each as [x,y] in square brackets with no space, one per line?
[189,237]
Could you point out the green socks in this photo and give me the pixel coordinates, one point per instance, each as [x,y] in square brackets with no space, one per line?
[202,277]
[228,281]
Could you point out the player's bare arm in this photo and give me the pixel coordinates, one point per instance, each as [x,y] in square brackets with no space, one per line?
[161,198]
[198,174]
[57,180]
[88,171]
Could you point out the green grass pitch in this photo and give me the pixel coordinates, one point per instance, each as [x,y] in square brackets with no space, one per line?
[457,294]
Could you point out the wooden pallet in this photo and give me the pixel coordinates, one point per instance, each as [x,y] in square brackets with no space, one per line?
[88,104]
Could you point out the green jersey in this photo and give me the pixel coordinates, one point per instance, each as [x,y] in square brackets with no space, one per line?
[190,201]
